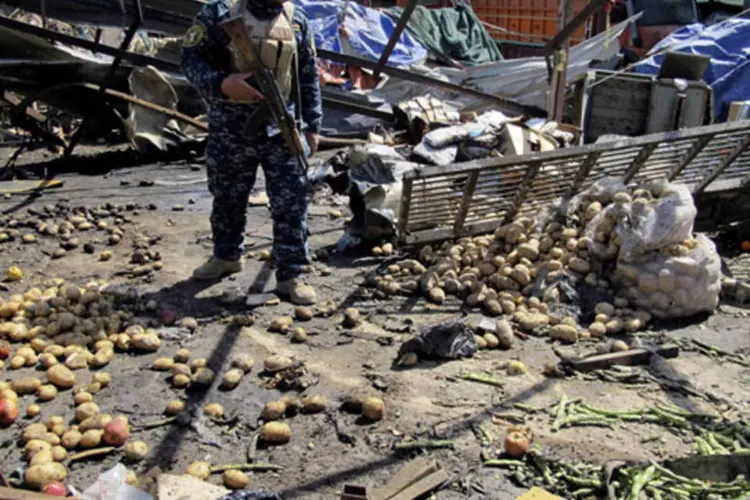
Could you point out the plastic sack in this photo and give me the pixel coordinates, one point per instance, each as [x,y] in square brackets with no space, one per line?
[674,286]
[644,227]
[436,156]
[111,486]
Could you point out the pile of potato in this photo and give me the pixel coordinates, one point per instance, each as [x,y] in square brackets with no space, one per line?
[521,271]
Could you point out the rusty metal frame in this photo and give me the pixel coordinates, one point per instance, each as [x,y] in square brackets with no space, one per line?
[477,197]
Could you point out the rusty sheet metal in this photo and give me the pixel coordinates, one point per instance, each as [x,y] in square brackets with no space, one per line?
[473,198]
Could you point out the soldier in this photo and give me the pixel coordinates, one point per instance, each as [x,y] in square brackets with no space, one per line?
[236,147]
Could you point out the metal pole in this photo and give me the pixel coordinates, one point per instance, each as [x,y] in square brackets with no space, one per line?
[137,21]
[402,22]
[556,101]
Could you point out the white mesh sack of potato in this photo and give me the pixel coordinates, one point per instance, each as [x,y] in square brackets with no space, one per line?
[675,282]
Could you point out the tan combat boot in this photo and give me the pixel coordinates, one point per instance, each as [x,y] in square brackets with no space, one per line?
[217,268]
[298,292]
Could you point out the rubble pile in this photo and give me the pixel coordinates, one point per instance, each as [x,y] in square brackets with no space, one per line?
[611,259]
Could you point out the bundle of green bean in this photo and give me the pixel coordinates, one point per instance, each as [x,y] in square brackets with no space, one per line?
[658,482]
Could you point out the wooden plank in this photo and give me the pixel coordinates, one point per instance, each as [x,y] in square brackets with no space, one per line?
[423,486]
[638,161]
[16,494]
[471,185]
[700,143]
[631,357]
[721,167]
[531,172]
[403,216]
[429,171]
[416,469]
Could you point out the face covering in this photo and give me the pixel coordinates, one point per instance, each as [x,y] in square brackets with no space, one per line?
[264,9]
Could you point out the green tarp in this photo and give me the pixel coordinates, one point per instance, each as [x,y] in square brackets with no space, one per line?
[456,33]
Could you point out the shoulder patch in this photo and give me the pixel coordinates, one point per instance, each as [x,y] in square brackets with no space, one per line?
[194,35]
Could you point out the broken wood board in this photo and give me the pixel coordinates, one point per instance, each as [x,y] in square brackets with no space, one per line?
[16,494]
[626,358]
[413,480]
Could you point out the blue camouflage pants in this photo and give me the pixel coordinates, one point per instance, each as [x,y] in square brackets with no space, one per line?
[231,165]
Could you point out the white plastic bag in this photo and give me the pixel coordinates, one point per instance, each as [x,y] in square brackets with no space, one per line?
[644,227]
[111,486]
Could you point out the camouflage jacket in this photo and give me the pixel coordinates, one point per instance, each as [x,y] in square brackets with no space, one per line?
[206,62]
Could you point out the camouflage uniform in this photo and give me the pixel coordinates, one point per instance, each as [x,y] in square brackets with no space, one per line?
[232,156]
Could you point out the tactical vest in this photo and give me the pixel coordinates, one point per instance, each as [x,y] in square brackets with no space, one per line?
[275,41]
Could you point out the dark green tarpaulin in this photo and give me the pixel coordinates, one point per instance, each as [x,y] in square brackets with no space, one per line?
[454,32]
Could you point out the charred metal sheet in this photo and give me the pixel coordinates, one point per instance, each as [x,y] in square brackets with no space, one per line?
[710,159]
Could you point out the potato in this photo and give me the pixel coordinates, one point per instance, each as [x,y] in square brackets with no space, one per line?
[373,409]
[275,433]
[244,362]
[232,378]
[579,265]
[82,397]
[78,360]
[314,403]
[57,430]
[352,317]
[116,432]
[516,367]
[481,343]
[86,410]
[181,381]
[491,340]
[277,363]
[303,313]
[180,369]
[214,410]
[102,358]
[615,326]
[148,342]
[61,376]
[182,356]
[40,475]
[175,407]
[202,378]
[35,446]
[163,364]
[47,360]
[504,334]
[91,438]
[281,324]
[34,431]
[619,346]
[198,363]
[42,457]
[200,470]
[59,453]
[33,410]
[597,330]
[97,422]
[605,308]
[71,439]
[189,324]
[26,385]
[123,342]
[436,295]
[52,438]
[101,378]
[564,333]
[529,321]
[130,478]
[47,392]
[235,479]
[273,410]
[299,335]
[55,350]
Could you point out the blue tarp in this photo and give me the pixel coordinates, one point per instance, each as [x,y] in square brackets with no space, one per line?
[368,32]
[728,45]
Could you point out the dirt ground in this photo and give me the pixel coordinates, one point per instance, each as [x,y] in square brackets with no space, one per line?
[429,401]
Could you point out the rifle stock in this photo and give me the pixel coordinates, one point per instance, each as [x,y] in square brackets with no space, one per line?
[269,87]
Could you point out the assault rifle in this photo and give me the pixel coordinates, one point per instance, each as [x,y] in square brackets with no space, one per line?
[265,81]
